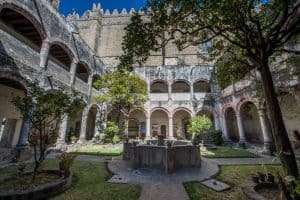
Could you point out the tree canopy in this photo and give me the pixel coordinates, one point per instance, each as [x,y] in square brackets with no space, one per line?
[123,91]
[245,34]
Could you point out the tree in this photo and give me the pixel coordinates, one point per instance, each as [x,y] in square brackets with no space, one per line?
[248,33]
[123,91]
[199,125]
[143,37]
[44,110]
[111,133]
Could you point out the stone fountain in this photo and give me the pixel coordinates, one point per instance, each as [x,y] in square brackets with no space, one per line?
[167,155]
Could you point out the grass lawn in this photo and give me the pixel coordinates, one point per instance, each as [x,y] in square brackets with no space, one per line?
[235,176]
[90,183]
[226,152]
[100,150]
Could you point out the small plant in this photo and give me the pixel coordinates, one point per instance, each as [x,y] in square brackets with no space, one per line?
[65,163]
[199,125]
[111,133]
[217,138]
[116,139]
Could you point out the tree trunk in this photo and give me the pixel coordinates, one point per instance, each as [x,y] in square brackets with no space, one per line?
[126,123]
[280,135]
[163,53]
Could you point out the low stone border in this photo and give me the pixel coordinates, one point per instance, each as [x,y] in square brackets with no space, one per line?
[41,192]
[250,190]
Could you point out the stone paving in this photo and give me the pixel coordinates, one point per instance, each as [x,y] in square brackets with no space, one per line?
[123,169]
[156,184]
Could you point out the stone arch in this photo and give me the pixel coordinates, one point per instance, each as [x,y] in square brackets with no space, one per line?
[159,86]
[245,100]
[83,72]
[137,123]
[181,86]
[25,26]
[251,124]
[231,124]
[201,86]
[91,121]
[182,108]
[181,120]
[161,108]
[159,121]
[61,55]
[11,122]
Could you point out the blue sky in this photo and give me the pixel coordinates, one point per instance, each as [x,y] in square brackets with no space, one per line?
[80,6]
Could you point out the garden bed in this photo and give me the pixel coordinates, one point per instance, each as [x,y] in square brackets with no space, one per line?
[235,176]
[46,184]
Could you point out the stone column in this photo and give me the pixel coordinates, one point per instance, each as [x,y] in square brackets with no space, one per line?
[24,134]
[265,130]
[169,90]
[1,120]
[82,137]
[44,53]
[148,127]
[63,131]
[90,84]
[225,131]
[171,134]
[73,72]
[241,128]
[216,121]
[98,127]
[192,92]
[149,87]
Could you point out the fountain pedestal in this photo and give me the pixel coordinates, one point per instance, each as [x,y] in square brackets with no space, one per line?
[167,157]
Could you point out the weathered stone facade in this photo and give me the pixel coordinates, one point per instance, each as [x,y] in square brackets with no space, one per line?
[69,52]
[36,43]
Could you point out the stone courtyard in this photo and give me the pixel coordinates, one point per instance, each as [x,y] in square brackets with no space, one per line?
[38,43]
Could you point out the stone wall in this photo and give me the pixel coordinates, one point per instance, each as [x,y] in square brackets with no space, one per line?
[104,31]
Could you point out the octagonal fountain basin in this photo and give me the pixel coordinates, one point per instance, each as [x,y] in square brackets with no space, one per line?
[168,155]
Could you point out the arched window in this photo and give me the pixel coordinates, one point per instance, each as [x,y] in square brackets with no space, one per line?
[251,123]
[231,124]
[180,87]
[202,87]
[159,87]
[59,55]
[82,72]
[21,27]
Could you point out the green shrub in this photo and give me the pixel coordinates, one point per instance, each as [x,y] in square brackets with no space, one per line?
[217,138]
[199,125]
[116,139]
[111,133]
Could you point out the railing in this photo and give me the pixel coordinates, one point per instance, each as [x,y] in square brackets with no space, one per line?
[59,72]
[81,86]
[158,97]
[181,96]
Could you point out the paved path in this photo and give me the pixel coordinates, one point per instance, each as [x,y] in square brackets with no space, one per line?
[162,191]
[156,185]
